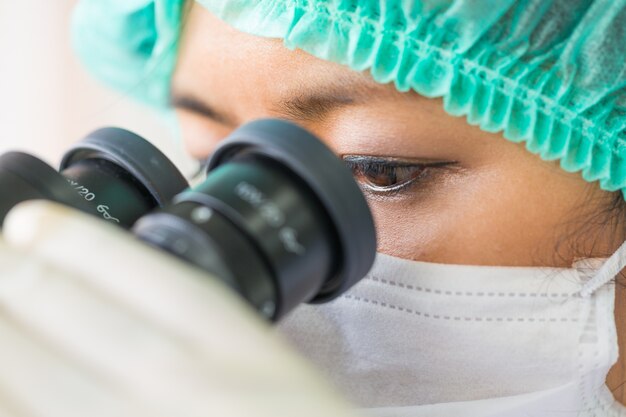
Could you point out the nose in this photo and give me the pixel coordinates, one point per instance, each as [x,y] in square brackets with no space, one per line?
[200,137]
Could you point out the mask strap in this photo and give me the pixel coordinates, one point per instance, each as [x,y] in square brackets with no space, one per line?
[607,272]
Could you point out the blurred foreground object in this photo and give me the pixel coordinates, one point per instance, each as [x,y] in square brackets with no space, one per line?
[96,323]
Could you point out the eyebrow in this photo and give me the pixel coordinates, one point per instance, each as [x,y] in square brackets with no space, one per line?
[306,103]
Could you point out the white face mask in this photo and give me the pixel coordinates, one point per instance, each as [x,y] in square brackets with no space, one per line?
[427,339]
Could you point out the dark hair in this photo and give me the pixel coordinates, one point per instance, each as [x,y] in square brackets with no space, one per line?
[596,229]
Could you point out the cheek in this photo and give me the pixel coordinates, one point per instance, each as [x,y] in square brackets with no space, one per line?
[200,136]
[494,215]
[426,226]
[405,233]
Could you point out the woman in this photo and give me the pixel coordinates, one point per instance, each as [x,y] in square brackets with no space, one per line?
[487,295]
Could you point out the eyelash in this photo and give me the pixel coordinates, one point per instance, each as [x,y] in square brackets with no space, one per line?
[373,166]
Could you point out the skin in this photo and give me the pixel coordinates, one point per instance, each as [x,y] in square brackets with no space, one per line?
[498,204]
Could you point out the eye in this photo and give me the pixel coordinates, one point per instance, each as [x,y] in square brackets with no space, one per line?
[388,175]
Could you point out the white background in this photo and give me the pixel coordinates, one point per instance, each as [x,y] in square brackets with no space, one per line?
[47,99]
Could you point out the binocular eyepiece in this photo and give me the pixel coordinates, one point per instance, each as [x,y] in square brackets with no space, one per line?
[279,218]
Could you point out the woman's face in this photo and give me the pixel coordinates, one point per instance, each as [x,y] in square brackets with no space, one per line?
[485,201]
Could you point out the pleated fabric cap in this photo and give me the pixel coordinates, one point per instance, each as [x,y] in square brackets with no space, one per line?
[129,44]
[549,73]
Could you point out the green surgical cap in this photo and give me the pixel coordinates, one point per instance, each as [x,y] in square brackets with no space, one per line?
[549,73]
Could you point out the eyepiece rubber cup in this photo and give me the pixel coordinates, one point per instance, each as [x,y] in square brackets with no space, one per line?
[136,155]
[328,178]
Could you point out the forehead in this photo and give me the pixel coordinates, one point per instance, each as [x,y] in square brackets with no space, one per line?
[237,76]
[212,52]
